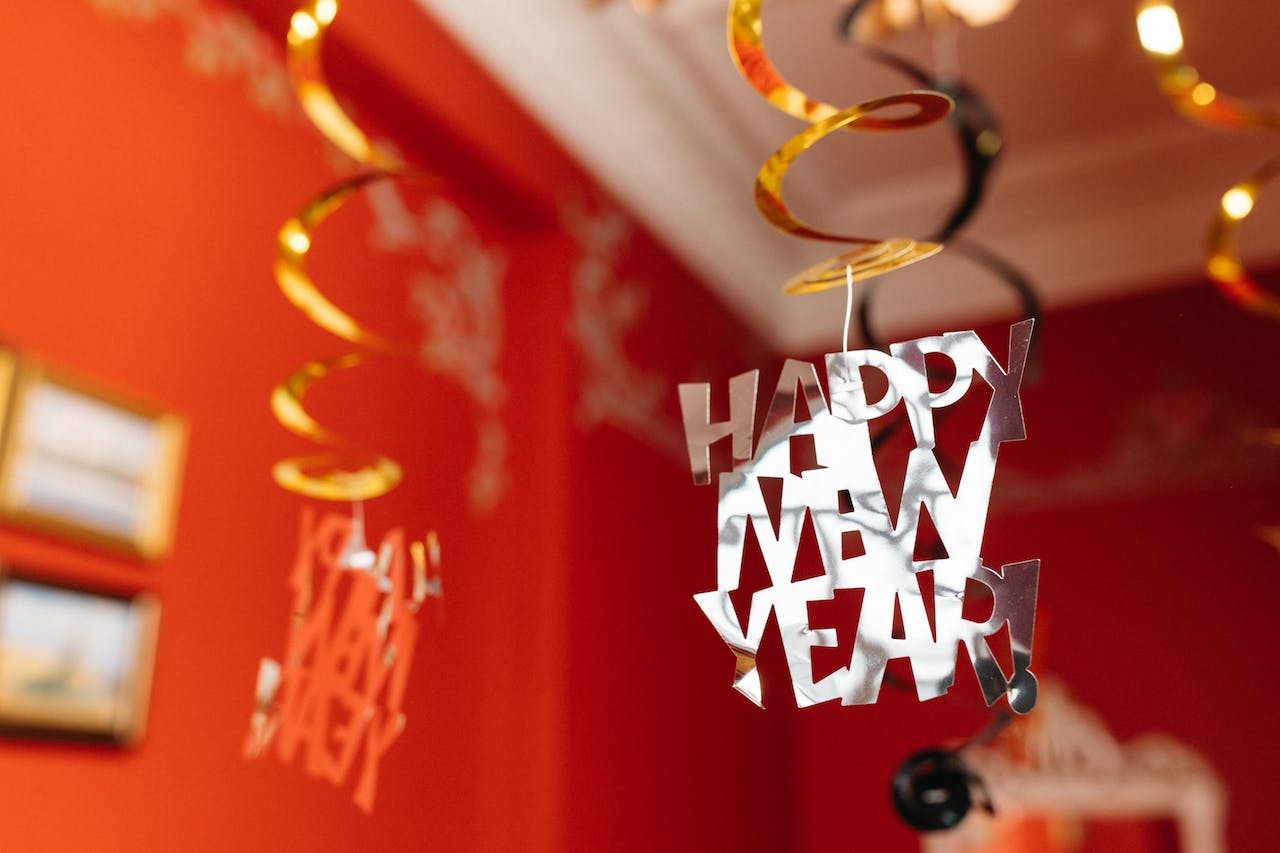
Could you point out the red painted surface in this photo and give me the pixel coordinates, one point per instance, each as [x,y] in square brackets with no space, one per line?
[1140,491]
[574,698]
[141,205]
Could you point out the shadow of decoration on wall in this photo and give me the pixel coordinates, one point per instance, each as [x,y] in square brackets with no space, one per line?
[1052,773]
[343,622]
[221,42]
[1167,439]
[604,309]
[457,296]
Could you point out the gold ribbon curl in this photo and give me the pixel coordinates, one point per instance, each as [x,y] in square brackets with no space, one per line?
[1224,265]
[880,255]
[1161,35]
[306,36]
[1196,98]
[347,472]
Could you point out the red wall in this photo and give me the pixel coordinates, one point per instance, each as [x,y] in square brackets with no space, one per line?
[1141,491]
[141,204]
[573,698]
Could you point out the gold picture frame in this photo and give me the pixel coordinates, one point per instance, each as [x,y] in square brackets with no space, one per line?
[83,461]
[74,662]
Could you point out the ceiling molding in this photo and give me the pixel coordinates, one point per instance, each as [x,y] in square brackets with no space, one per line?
[677,140]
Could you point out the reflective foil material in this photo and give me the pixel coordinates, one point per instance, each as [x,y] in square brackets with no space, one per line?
[345,471]
[875,256]
[1161,35]
[776,494]
[1199,100]
[980,139]
[1225,266]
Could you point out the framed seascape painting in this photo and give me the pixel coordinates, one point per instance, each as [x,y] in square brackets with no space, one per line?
[73,662]
[85,462]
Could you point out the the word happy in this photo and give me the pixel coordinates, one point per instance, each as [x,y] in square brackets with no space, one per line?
[841,502]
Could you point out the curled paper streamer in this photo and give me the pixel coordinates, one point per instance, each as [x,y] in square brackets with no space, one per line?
[1225,266]
[933,790]
[1196,98]
[1161,35]
[293,245]
[978,134]
[346,472]
[328,476]
[306,36]
[975,126]
[878,256]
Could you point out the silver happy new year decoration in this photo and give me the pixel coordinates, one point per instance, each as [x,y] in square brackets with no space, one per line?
[834,490]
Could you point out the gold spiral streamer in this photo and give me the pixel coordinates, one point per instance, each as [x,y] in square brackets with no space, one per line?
[338,476]
[1224,266]
[292,246]
[347,472]
[1198,99]
[880,255]
[1161,35]
[306,36]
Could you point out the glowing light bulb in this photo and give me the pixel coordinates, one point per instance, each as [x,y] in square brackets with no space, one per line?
[1203,94]
[304,25]
[1237,202]
[899,14]
[1159,30]
[1224,268]
[326,10]
[979,13]
[296,239]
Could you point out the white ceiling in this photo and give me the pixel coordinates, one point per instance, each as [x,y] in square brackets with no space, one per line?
[1101,187]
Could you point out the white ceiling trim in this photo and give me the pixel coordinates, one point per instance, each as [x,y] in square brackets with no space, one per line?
[638,125]
[627,97]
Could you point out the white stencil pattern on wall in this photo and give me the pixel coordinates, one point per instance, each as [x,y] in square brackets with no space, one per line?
[457,295]
[221,43]
[604,309]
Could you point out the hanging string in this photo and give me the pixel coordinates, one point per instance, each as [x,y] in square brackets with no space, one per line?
[357,554]
[946,53]
[848,302]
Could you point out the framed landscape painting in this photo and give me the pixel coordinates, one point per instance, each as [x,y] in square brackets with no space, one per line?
[74,662]
[86,462]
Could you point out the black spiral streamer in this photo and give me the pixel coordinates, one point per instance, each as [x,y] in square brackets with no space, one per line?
[977,132]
